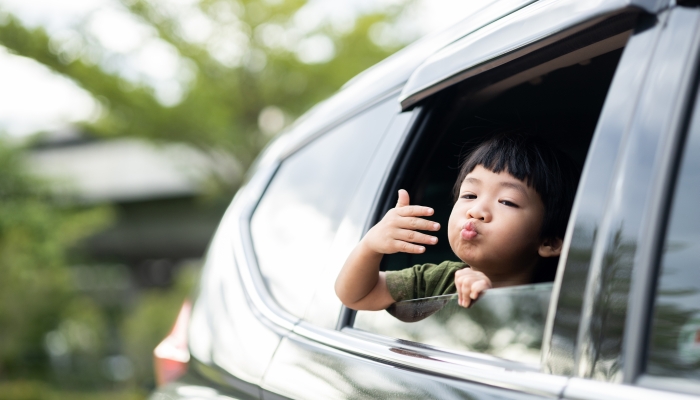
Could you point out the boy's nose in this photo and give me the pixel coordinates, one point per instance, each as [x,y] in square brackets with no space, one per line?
[477,211]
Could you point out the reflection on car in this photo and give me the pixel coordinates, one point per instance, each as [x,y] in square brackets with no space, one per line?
[505,322]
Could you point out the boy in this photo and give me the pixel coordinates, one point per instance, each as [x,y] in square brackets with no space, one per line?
[513,199]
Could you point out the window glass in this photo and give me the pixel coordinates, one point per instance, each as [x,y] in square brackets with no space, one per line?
[295,223]
[675,330]
[505,322]
[324,309]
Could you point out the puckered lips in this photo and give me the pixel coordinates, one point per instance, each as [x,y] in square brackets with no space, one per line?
[468,231]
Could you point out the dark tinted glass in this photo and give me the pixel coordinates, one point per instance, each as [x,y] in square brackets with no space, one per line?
[294,225]
[506,322]
[675,328]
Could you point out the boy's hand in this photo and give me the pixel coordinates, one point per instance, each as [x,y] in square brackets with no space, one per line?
[396,232]
[470,284]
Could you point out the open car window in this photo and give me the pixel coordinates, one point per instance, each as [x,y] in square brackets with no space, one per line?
[505,322]
[559,102]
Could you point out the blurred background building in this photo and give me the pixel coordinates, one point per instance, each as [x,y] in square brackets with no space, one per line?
[126,127]
[156,191]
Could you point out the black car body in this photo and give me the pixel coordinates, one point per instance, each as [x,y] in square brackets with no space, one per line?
[613,83]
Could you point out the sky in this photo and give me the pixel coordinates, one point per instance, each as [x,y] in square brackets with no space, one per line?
[32,98]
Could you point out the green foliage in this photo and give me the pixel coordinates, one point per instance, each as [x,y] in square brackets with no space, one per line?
[53,326]
[36,291]
[224,97]
[37,390]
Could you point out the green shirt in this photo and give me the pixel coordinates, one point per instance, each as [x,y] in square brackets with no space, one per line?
[423,280]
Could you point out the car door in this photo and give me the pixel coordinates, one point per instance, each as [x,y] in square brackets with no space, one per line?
[634,338]
[315,361]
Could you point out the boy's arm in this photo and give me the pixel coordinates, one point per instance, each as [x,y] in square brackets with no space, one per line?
[360,285]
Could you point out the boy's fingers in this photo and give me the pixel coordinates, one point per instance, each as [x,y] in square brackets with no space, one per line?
[463,300]
[418,224]
[463,289]
[477,288]
[415,237]
[406,247]
[404,199]
[414,211]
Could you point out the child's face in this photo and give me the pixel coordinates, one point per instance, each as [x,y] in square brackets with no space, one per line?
[495,223]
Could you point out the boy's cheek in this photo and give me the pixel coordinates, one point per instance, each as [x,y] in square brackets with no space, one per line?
[453,236]
[451,231]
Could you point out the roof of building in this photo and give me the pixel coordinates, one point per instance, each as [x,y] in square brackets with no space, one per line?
[127,169]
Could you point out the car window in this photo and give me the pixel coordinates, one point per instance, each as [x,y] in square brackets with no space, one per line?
[675,329]
[294,224]
[562,108]
[324,309]
[505,322]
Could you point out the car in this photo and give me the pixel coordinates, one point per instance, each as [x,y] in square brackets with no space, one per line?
[612,83]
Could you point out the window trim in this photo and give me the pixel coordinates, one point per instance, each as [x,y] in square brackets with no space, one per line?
[586,389]
[559,27]
[678,385]
[472,367]
[306,140]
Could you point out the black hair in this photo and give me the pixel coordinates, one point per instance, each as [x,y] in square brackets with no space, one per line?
[549,171]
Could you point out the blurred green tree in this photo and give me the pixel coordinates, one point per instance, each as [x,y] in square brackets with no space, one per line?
[36,291]
[249,68]
[254,68]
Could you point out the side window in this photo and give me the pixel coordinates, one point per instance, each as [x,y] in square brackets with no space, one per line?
[294,224]
[675,329]
[561,106]
[505,322]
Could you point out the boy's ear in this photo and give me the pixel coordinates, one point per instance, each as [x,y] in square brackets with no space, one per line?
[550,247]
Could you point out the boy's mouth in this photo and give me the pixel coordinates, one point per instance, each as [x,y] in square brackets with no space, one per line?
[468,231]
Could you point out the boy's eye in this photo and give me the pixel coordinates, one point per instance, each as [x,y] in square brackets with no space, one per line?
[469,196]
[508,203]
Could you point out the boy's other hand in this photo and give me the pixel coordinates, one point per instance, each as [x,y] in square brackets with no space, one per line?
[397,231]
[470,284]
